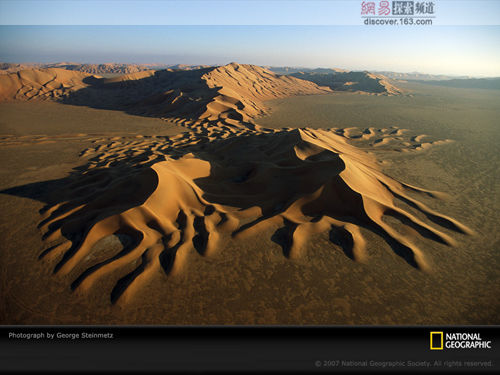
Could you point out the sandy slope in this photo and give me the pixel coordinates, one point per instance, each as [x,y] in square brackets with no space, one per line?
[40,84]
[242,89]
[162,196]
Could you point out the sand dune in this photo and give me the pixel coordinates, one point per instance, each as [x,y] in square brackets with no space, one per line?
[290,70]
[7,68]
[492,83]
[243,88]
[188,67]
[159,198]
[387,139]
[364,82]
[418,76]
[40,84]
[234,91]
[98,69]
[166,196]
[106,68]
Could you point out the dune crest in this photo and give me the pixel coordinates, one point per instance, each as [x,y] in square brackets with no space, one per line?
[169,196]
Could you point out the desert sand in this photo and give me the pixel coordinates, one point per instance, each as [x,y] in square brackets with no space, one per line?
[141,209]
[364,82]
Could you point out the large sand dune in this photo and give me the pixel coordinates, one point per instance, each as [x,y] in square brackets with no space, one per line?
[233,91]
[161,197]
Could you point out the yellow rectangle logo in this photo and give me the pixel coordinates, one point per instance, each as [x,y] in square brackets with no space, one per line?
[436,341]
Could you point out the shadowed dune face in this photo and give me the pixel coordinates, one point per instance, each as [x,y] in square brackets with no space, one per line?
[162,197]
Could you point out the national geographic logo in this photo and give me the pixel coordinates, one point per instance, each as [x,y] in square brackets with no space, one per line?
[457,340]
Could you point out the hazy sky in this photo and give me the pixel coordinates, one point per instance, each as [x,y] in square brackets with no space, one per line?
[459,49]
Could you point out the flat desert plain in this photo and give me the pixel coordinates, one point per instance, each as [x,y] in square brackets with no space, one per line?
[278,203]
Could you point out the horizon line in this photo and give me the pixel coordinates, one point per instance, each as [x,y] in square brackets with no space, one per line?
[167,65]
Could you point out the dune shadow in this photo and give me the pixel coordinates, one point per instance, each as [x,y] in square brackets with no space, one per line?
[43,191]
[284,237]
[172,93]
[344,240]
[74,204]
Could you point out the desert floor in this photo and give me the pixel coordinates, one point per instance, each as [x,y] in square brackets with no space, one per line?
[250,281]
